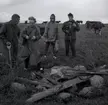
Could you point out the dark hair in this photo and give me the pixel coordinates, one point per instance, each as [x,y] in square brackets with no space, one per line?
[70,14]
[15,16]
[52,15]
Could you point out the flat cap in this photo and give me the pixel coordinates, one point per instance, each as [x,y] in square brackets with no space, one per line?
[32,18]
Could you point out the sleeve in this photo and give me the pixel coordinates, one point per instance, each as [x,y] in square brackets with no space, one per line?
[24,33]
[57,33]
[46,30]
[77,26]
[64,28]
[19,33]
[3,31]
[38,35]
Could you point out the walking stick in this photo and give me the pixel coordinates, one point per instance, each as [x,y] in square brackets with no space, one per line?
[9,51]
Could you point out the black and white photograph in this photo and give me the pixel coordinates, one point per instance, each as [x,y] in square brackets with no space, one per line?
[53,52]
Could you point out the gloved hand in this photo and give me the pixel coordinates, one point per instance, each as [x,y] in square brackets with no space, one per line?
[67,32]
[27,37]
[8,43]
[74,24]
[33,38]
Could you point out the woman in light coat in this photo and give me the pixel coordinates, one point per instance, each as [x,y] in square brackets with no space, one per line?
[31,35]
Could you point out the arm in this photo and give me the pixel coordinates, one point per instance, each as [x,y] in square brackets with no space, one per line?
[38,35]
[35,35]
[18,33]
[63,28]
[66,31]
[57,32]
[3,33]
[24,33]
[77,27]
[46,31]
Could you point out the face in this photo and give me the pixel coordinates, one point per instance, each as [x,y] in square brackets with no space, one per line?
[70,18]
[16,20]
[31,21]
[52,19]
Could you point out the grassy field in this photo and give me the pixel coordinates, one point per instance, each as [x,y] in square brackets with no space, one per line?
[92,50]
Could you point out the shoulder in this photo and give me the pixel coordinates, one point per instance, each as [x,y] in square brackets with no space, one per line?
[6,24]
[37,26]
[47,25]
[65,23]
[25,28]
[18,28]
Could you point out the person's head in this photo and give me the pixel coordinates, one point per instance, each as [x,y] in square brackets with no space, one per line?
[15,19]
[32,20]
[52,18]
[70,16]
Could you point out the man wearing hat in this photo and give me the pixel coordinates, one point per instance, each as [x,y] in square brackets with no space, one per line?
[9,35]
[70,28]
[30,35]
[51,35]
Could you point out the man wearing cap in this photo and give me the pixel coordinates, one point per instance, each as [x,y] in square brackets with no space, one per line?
[51,35]
[30,35]
[9,35]
[70,28]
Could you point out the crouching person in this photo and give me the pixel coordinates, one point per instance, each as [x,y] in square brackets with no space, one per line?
[30,54]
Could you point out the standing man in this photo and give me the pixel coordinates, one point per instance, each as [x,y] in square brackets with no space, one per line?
[9,34]
[51,35]
[70,28]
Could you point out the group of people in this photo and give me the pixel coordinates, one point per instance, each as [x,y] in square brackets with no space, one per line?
[10,33]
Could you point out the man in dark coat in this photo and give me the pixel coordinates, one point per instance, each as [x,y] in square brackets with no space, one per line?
[70,28]
[9,35]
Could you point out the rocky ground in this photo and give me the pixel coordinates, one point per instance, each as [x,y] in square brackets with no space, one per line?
[92,52]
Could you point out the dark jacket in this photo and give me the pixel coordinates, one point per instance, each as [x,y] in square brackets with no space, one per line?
[70,30]
[10,33]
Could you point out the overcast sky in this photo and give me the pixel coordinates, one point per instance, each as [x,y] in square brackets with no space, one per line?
[41,9]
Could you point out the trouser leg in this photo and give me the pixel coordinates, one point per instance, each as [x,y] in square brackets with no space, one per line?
[47,47]
[26,62]
[67,47]
[14,52]
[72,44]
[53,48]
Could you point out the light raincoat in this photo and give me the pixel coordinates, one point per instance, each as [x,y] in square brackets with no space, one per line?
[30,47]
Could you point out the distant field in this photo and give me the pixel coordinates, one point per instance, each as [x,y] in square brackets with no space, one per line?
[87,42]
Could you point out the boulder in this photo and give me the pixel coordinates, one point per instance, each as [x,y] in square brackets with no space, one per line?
[56,70]
[73,89]
[80,67]
[18,87]
[40,88]
[97,81]
[64,96]
[91,92]
[63,71]
[86,92]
